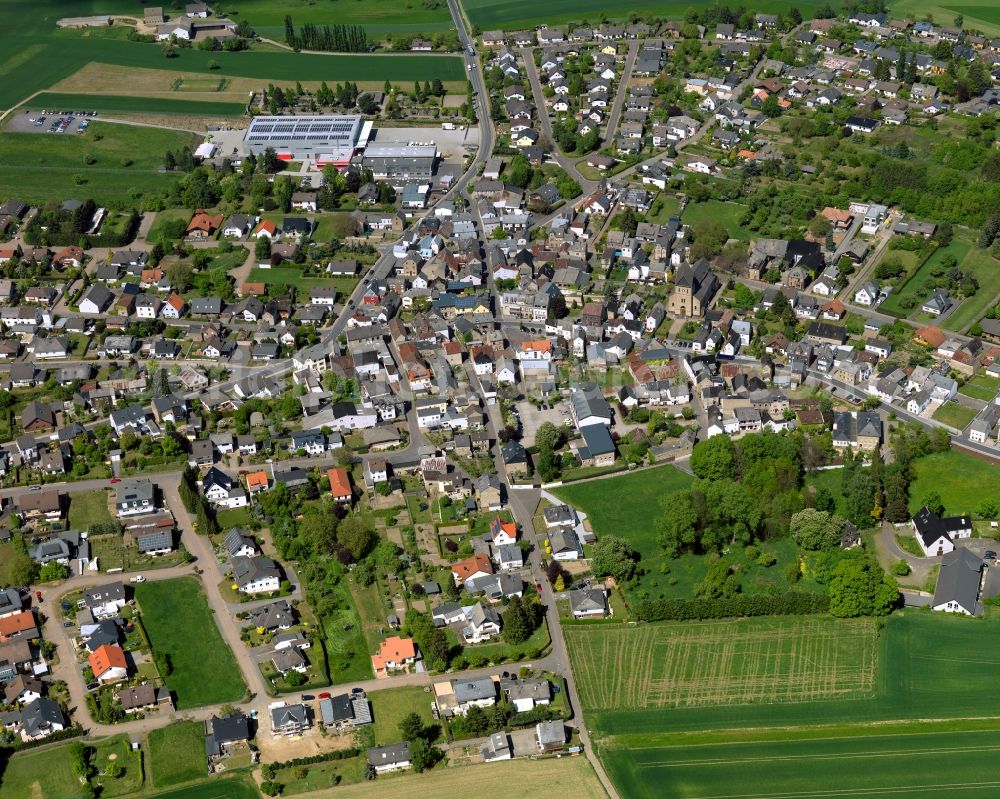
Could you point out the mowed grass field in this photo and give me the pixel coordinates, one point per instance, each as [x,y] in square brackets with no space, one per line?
[179,624]
[635,519]
[40,775]
[728,214]
[389,707]
[953,764]
[177,753]
[962,480]
[928,666]
[737,661]
[37,167]
[555,778]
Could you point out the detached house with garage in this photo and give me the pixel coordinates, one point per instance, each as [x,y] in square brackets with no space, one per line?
[936,535]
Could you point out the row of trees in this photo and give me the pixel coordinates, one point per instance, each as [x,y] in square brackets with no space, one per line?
[331,38]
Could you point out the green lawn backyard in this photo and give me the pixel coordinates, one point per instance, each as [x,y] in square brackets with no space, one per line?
[177,753]
[175,614]
[981,387]
[390,706]
[727,213]
[962,480]
[89,508]
[955,415]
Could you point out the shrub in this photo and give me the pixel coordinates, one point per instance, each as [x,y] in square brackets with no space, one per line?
[901,568]
[792,603]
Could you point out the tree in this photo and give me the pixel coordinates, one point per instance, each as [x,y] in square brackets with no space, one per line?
[614,556]
[411,727]
[517,627]
[678,523]
[819,227]
[714,458]
[932,501]
[859,587]
[262,249]
[355,536]
[816,529]
[21,569]
[770,107]
[548,436]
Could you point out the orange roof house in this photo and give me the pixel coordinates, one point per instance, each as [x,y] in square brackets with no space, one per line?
[176,302]
[839,219]
[150,277]
[471,567]
[17,625]
[108,663]
[69,256]
[930,336]
[834,308]
[340,484]
[540,347]
[750,155]
[253,289]
[502,532]
[265,228]
[257,481]
[203,224]
[394,653]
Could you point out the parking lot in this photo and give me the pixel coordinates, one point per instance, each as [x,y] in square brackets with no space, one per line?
[532,418]
[51,121]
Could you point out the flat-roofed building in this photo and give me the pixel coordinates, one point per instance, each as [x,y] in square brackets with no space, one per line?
[325,139]
[392,160]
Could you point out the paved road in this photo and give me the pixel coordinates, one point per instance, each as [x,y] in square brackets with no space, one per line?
[545,120]
[616,107]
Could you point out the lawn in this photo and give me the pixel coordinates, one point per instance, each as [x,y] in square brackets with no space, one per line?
[982,14]
[985,269]
[174,612]
[729,214]
[982,387]
[916,286]
[372,610]
[38,166]
[166,217]
[831,480]
[390,706]
[321,775]
[551,778]
[961,479]
[732,662]
[105,141]
[118,750]
[177,753]
[635,519]
[232,517]
[664,207]
[89,508]
[41,775]
[287,276]
[133,104]
[955,415]
[956,764]
[928,666]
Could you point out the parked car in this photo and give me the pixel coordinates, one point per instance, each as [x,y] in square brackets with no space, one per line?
[137,579]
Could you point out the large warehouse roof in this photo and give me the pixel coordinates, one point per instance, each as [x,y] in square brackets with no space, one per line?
[331,131]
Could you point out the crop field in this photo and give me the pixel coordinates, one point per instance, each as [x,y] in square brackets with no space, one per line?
[35,55]
[174,611]
[959,764]
[378,16]
[215,788]
[127,103]
[551,778]
[928,667]
[723,662]
[961,479]
[514,14]
[983,14]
